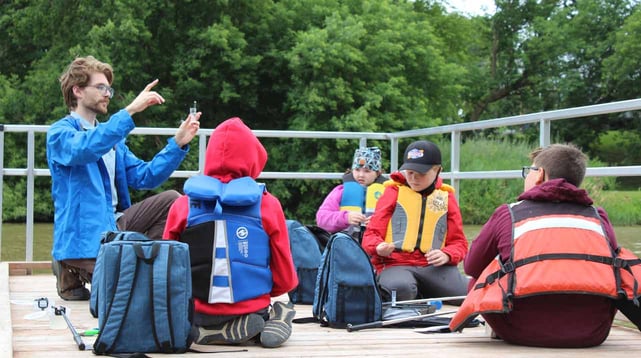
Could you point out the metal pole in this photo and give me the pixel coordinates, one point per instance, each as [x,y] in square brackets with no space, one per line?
[425,300]
[60,310]
[378,324]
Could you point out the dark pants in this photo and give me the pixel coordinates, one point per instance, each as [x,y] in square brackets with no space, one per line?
[412,282]
[147,217]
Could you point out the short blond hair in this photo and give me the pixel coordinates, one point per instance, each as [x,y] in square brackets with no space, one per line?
[78,73]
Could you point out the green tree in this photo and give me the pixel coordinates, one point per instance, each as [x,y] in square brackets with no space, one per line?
[334,65]
[548,55]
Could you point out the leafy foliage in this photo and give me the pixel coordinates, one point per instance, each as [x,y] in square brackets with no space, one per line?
[479,198]
[326,65]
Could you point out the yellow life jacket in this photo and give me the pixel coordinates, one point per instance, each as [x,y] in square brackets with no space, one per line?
[374,192]
[418,222]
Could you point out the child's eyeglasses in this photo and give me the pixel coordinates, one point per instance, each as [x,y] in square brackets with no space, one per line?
[526,170]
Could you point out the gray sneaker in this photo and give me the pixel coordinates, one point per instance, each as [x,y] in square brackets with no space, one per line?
[279,326]
[238,330]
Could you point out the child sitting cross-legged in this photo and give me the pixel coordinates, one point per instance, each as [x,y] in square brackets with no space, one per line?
[238,243]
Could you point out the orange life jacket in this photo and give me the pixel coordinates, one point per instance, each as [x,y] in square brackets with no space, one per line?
[556,248]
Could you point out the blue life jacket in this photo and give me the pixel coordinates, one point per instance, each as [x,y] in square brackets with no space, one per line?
[228,245]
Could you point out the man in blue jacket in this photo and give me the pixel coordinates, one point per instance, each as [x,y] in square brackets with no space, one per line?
[92,169]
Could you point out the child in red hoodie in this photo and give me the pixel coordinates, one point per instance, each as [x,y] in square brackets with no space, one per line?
[415,237]
[239,245]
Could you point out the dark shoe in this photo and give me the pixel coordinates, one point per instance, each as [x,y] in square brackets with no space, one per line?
[235,331]
[78,293]
[279,326]
[75,294]
[56,268]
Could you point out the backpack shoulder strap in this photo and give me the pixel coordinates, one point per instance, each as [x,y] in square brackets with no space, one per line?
[119,306]
[161,305]
[120,302]
[320,296]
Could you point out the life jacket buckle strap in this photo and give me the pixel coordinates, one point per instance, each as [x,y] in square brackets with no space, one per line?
[508,267]
[490,279]
[619,262]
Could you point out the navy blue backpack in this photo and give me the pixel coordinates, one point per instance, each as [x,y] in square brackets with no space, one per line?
[306,253]
[141,294]
[346,288]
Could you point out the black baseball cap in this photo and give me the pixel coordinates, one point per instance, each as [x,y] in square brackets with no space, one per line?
[420,156]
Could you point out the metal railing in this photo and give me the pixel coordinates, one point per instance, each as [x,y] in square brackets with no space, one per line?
[544,119]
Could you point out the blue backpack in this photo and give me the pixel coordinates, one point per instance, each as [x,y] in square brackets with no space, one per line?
[346,289]
[141,294]
[306,253]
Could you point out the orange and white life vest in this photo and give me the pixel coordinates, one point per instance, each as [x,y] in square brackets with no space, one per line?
[556,248]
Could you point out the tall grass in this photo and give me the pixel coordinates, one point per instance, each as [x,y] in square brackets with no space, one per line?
[479,197]
[14,241]
[623,207]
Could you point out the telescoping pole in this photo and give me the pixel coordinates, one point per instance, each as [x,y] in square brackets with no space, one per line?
[378,324]
[61,311]
[425,300]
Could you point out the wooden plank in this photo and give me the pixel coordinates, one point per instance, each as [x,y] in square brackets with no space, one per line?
[6,332]
[32,338]
[21,268]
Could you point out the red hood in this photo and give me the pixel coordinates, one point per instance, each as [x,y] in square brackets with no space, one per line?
[234,152]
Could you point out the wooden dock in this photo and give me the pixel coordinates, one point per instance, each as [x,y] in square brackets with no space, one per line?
[23,337]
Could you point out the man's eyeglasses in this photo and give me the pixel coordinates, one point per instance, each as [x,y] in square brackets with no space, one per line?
[105,90]
[526,170]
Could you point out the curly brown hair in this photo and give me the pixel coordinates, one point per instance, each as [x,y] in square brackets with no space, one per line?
[78,73]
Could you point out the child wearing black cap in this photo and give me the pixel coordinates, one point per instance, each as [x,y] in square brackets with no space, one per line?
[348,206]
[415,237]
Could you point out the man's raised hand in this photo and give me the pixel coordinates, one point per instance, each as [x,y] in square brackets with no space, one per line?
[145,99]
[188,129]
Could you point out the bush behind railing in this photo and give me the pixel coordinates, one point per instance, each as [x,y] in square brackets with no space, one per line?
[477,197]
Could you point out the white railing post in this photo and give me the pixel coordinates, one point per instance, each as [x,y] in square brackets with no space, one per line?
[393,163]
[1,181]
[30,194]
[544,133]
[455,161]
[202,149]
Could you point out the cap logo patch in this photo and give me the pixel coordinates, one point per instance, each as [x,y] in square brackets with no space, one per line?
[415,154]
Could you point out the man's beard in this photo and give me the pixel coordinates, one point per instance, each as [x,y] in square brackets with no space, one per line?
[99,107]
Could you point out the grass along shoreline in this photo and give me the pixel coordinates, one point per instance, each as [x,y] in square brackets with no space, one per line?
[14,242]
